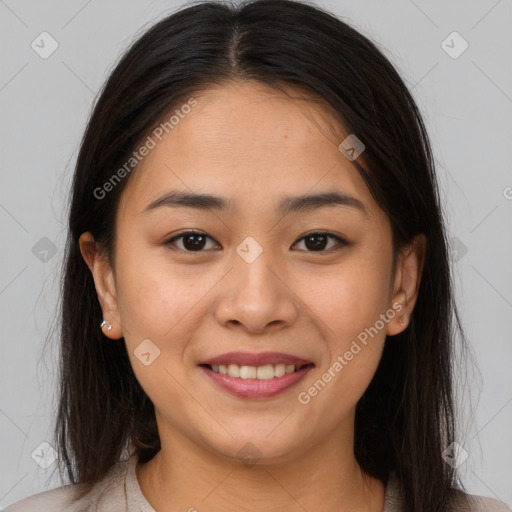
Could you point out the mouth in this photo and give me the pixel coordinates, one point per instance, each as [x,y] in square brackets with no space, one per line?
[265,372]
[255,376]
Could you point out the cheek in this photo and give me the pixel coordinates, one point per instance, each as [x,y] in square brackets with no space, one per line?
[153,296]
[158,305]
[349,299]
[347,307]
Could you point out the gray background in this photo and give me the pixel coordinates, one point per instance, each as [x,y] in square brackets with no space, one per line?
[44,104]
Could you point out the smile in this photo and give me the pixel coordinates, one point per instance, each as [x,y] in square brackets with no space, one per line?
[266,372]
[255,376]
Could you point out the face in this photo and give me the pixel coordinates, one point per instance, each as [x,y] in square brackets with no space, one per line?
[291,295]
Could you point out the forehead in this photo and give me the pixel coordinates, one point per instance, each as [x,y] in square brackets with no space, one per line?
[251,144]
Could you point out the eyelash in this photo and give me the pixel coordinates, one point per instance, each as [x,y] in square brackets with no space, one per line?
[341,242]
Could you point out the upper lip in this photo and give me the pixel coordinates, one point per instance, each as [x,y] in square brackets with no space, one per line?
[252,359]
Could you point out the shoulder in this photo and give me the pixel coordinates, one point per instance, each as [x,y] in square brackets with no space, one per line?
[54,500]
[463,502]
[108,495]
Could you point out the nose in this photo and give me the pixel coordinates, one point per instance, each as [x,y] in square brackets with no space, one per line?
[257,297]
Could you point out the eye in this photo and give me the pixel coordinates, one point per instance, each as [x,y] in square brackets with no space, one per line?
[319,241]
[190,241]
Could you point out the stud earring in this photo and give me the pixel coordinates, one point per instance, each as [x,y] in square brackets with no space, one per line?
[105,323]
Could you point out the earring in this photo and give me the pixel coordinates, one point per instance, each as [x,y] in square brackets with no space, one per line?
[105,323]
[401,320]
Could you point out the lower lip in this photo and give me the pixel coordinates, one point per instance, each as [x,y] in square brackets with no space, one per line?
[256,388]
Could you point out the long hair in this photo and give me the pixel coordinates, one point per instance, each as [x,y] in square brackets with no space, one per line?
[405,419]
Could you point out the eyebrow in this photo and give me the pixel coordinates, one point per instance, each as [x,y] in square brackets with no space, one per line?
[290,204]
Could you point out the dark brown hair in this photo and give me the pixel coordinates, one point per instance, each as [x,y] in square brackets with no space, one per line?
[405,418]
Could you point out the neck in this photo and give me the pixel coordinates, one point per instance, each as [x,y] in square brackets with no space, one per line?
[185,476]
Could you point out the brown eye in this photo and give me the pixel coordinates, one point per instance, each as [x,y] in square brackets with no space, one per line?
[190,241]
[319,241]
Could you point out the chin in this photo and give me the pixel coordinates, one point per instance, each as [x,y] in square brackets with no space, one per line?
[258,447]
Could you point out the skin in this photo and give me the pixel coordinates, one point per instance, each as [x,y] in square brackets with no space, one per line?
[253,145]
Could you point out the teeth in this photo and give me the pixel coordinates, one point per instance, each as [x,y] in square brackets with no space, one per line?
[289,368]
[279,370]
[266,372]
[234,370]
[247,372]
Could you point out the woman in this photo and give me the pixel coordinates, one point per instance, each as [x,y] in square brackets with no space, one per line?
[257,300]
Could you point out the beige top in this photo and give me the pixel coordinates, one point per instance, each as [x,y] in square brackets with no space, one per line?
[119,491]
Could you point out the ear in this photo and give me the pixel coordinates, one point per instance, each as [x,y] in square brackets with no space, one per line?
[409,269]
[104,282]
